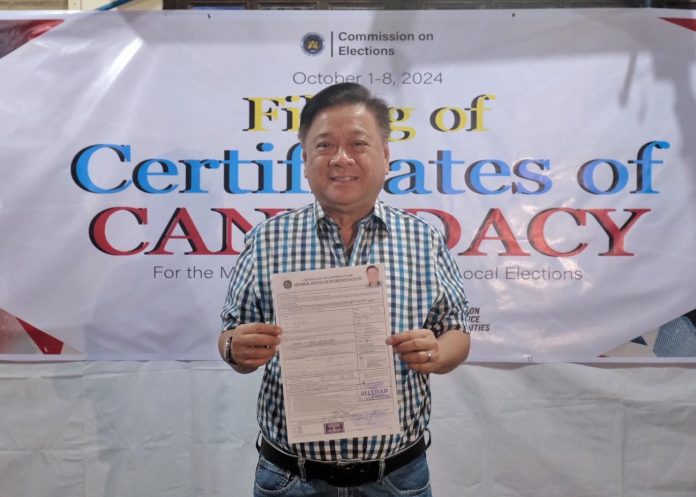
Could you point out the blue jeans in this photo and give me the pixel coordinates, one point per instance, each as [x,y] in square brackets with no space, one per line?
[412,480]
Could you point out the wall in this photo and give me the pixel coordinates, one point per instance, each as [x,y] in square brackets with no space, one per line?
[178,429]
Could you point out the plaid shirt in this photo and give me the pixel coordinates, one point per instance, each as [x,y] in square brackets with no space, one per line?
[425,290]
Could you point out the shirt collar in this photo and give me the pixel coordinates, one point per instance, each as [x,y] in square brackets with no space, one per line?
[378,214]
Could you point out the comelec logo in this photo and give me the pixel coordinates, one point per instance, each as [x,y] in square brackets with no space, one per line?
[312,43]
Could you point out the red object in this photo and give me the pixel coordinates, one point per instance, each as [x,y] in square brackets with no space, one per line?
[685,23]
[46,343]
[14,34]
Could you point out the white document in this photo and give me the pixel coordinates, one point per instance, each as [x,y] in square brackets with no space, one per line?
[338,374]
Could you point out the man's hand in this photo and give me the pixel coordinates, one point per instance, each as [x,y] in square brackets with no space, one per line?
[417,348]
[253,345]
[424,353]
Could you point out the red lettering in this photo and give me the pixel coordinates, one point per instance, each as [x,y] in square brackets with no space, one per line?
[616,234]
[181,219]
[493,228]
[231,217]
[97,230]
[495,219]
[451,228]
[535,232]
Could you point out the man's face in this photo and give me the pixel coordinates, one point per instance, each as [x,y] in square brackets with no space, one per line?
[372,276]
[346,159]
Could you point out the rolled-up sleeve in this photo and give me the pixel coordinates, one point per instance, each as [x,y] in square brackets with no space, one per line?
[451,307]
[241,304]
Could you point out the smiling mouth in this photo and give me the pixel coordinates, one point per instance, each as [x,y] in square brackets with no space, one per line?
[344,179]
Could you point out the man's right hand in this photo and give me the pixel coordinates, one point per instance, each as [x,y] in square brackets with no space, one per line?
[253,345]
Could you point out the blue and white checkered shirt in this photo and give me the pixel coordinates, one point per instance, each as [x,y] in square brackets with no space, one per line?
[425,290]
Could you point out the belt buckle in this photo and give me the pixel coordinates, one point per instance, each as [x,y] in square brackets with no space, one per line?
[347,473]
[346,466]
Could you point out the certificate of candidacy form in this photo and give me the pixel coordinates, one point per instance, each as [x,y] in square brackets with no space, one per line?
[338,374]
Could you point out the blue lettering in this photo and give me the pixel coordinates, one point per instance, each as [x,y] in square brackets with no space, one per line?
[444,165]
[143,172]
[586,176]
[521,169]
[294,164]
[644,164]
[416,178]
[193,173]
[476,171]
[79,168]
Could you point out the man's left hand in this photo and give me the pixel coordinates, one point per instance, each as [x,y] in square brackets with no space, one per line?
[423,352]
[419,349]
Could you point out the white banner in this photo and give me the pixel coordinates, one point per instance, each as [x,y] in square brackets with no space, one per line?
[554,148]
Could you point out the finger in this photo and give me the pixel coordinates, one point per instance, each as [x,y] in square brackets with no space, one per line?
[258,341]
[423,362]
[268,336]
[259,329]
[404,336]
[254,356]
[417,357]
[257,353]
[254,344]
[415,345]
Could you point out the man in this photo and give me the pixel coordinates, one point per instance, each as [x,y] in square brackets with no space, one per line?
[344,133]
[372,273]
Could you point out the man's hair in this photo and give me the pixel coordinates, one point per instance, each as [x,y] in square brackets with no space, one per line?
[345,94]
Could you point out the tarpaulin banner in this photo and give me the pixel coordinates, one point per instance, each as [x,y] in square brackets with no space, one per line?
[554,149]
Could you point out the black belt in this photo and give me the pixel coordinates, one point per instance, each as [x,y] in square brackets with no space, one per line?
[343,473]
